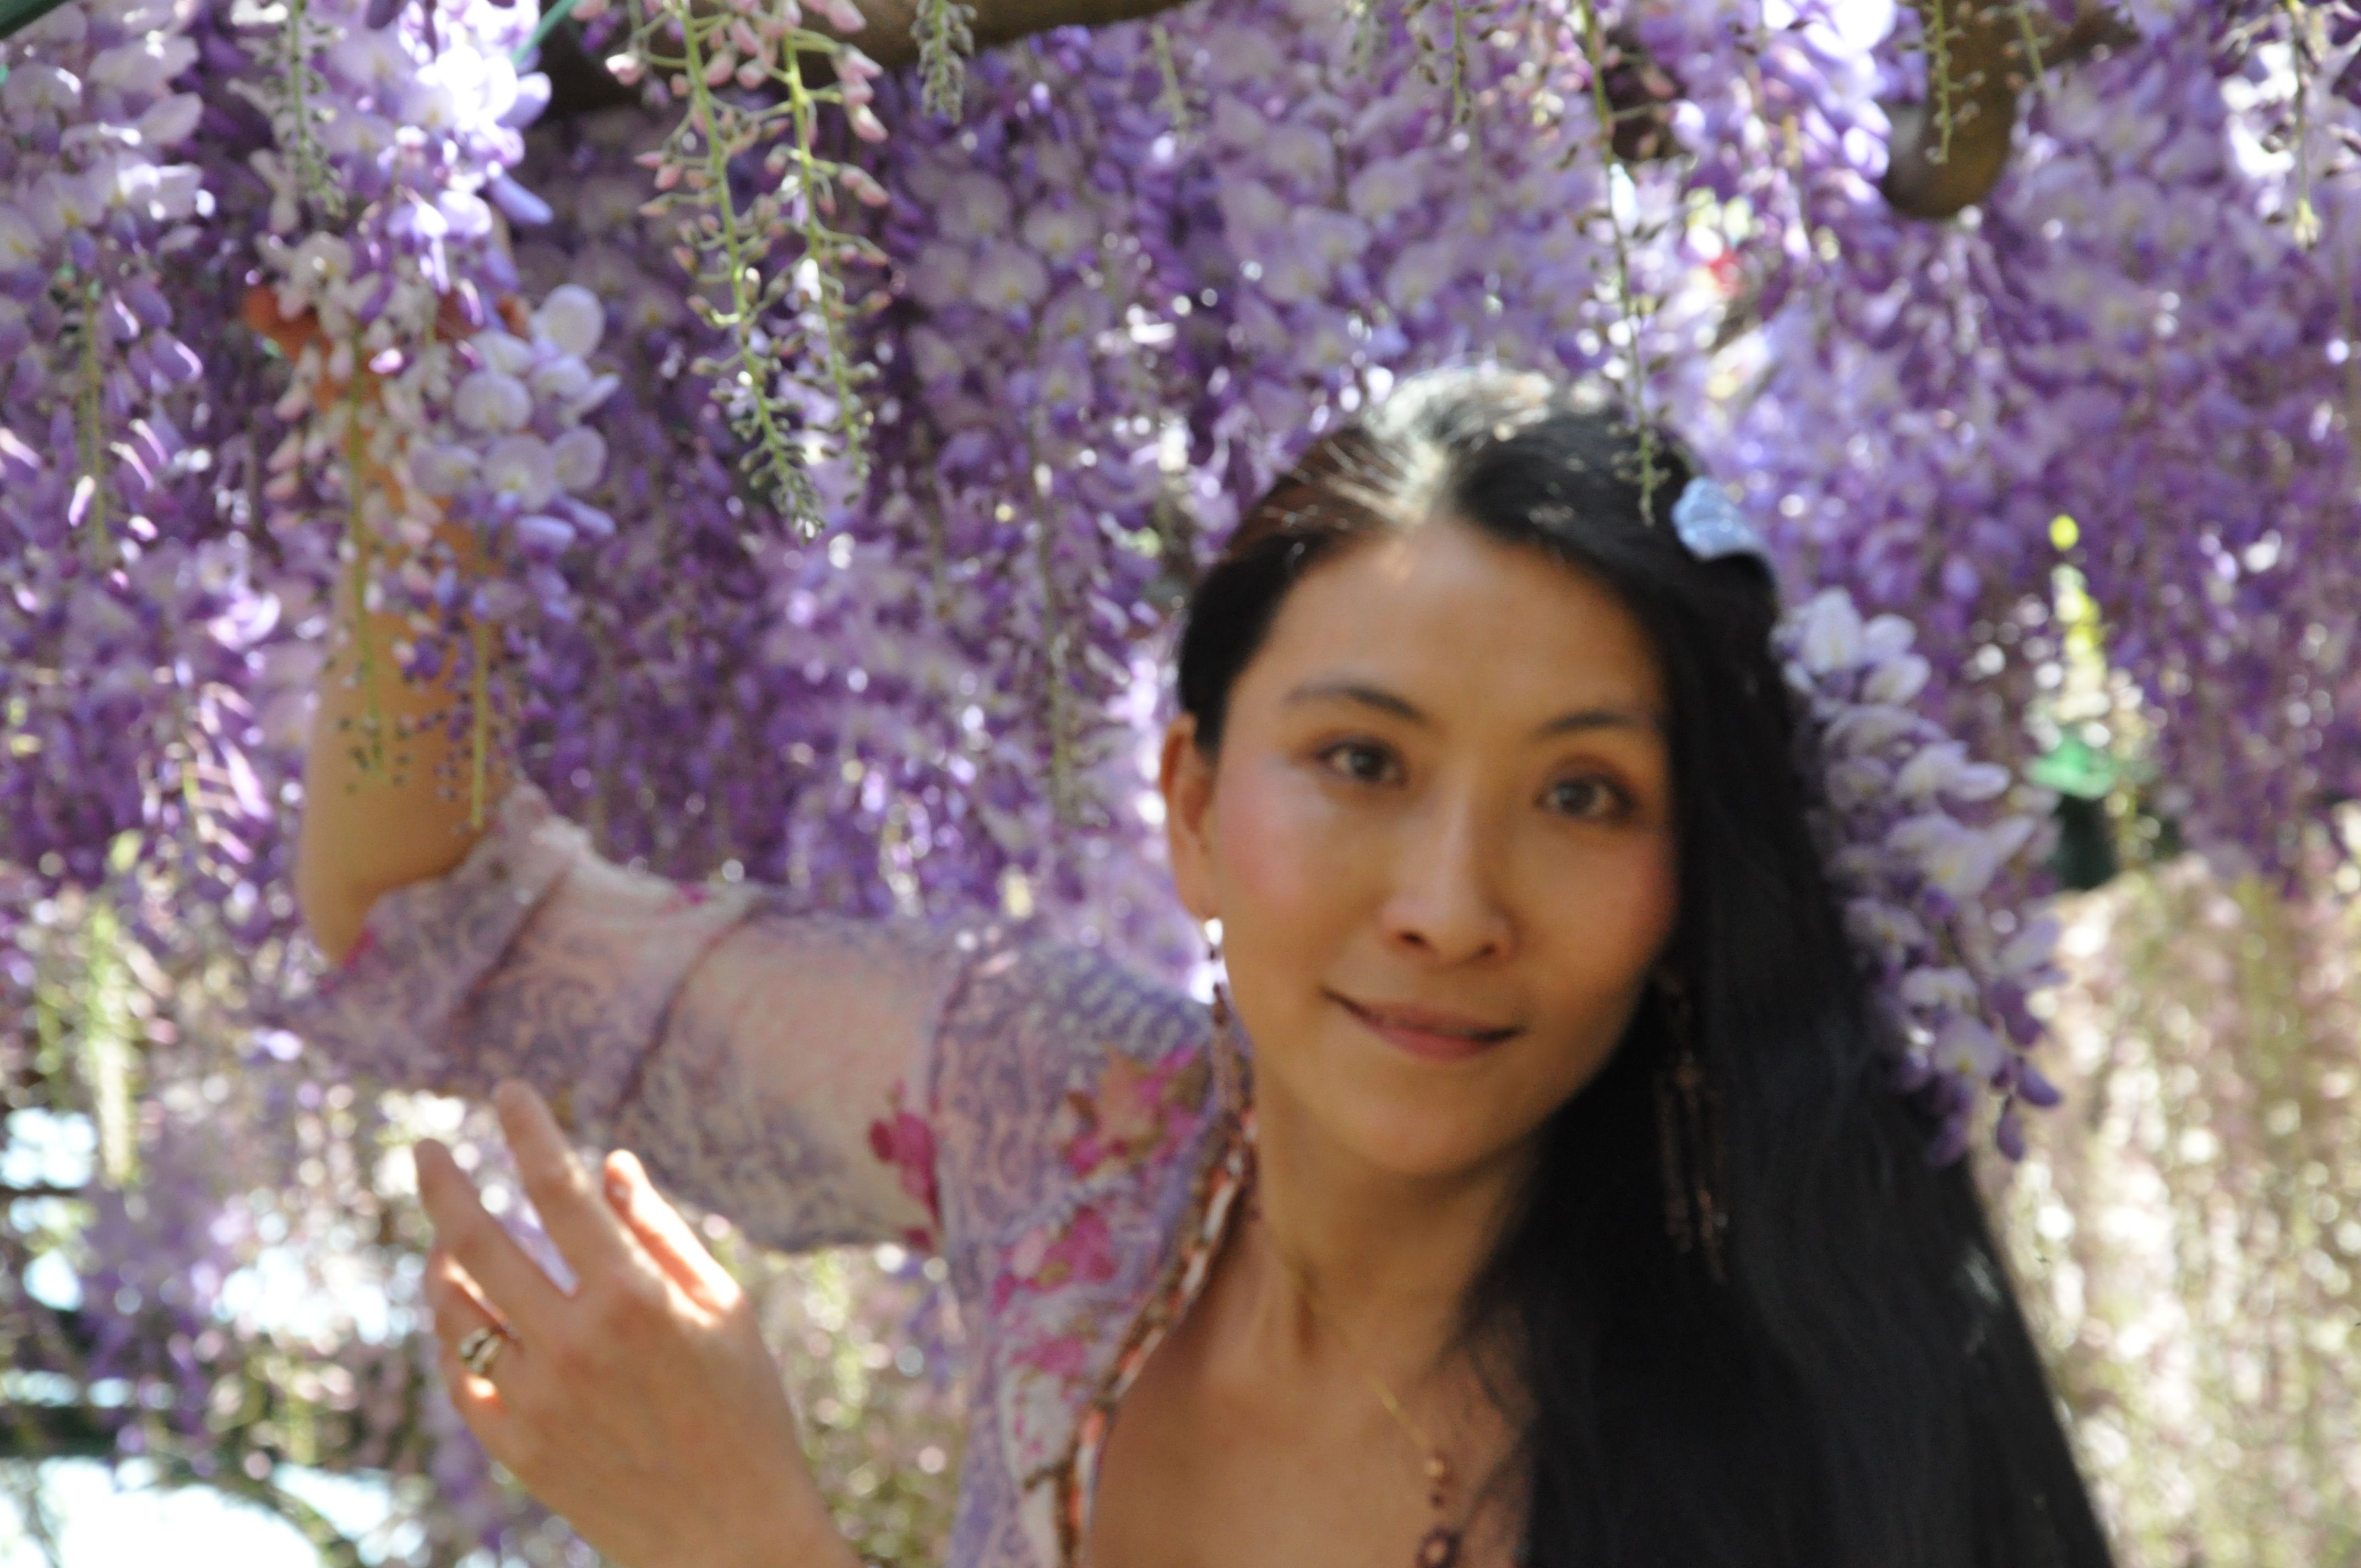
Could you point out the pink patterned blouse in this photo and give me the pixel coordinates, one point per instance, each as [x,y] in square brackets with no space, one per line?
[1059,1128]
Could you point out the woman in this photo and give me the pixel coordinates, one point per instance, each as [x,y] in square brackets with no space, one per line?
[1556,1211]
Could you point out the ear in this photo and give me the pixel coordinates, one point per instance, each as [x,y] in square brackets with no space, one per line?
[1187,781]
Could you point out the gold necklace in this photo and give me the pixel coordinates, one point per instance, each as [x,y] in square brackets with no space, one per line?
[1439,1547]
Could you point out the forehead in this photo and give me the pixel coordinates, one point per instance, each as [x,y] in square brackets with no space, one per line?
[1447,614]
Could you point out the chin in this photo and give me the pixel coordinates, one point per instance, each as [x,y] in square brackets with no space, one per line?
[1426,1130]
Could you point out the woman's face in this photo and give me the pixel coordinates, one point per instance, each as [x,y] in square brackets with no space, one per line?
[1445,783]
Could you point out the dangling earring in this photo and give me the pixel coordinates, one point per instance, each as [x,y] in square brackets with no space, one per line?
[1220,993]
[1229,1060]
[1688,1132]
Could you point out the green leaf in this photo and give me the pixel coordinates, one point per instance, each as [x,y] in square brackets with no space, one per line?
[2077,768]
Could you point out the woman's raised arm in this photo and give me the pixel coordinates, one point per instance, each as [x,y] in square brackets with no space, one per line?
[767,1061]
[760,1058]
[381,808]
[387,797]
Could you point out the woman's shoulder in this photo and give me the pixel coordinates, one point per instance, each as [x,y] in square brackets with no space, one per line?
[1079,1107]
[1071,1001]
[1063,1067]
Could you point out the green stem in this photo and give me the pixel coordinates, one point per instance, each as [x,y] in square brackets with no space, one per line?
[372,752]
[2033,66]
[1938,72]
[106,1042]
[1174,98]
[1626,300]
[703,118]
[312,181]
[480,719]
[945,34]
[548,24]
[90,428]
[2306,218]
[831,291]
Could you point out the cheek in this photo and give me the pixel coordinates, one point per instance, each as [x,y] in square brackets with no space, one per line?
[1274,854]
[1605,960]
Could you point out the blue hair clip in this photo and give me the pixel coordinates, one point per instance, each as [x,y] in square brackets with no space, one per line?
[1712,527]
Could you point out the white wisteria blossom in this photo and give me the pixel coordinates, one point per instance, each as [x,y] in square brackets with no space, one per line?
[1920,836]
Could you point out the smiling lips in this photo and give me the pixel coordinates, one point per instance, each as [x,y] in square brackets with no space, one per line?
[1422,1032]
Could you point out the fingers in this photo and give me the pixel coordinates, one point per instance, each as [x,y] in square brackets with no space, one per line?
[668,1238]
[587,1231]
[512,1283]
[458,1309]
[458,1313]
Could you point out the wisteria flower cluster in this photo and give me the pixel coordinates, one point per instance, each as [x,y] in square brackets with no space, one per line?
[93,200]
[1090,294]
[1916,834]
[1352,219]
[2134,303]
[1031,543]
[518,457]
[126,616]
[391,149]
[809,710]
[751,163]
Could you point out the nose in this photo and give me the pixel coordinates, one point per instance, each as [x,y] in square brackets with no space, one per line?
[1444,901]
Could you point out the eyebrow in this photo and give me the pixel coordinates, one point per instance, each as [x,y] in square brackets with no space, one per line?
[1603,717]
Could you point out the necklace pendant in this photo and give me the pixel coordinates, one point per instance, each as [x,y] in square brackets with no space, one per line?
[1439,1549]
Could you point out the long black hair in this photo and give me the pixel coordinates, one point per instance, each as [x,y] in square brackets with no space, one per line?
[1858,1388]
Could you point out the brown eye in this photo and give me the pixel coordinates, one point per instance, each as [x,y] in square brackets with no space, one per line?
[1594,789]
[1358,761]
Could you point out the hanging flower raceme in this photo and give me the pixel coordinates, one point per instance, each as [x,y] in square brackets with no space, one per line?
[754,177]
[127,613]
[93,201]
[2126,362]
[1916,835]
[514,458]
[391,147]
[1028,391]
[696,620]
[1343,216]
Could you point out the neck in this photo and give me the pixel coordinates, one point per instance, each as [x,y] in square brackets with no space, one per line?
[1372,1257]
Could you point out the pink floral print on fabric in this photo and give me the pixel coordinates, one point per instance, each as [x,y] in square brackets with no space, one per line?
[1081,1251]
[1135,1116]
[1139,1112]
[903,1141]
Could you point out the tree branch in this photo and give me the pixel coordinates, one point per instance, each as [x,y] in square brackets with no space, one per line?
[579,84]
[1988,55]
[886,40]
[336,1548]
[35,1432]
[32,1433]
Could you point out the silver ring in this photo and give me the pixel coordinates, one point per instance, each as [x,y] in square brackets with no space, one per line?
[479,1348]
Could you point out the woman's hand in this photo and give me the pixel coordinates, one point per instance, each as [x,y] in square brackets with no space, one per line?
[641,1405]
